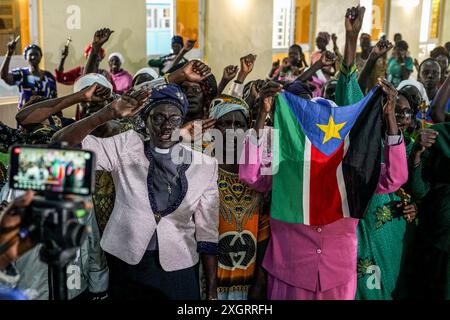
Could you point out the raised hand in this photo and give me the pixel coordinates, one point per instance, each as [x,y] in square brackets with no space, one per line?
[229,73]
[95,93]
[101,37]
[65,52]
[380,49]
[354,19]
[334,38]
[328,59]
[189,45]
[11,47]
[129,104]
[195,71]
[247,64]
[425,139]
[391,94]
[267,96]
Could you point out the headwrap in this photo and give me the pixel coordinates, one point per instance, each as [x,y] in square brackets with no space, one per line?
[88,49]
[299,88]
[118,55]
[324,35]
[166,94]
[225,104]
[150,71]
[31,47]
[419,86]
[178,39]
[90,79]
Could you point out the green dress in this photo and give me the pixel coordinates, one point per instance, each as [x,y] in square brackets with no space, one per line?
[430,182]
[384,241]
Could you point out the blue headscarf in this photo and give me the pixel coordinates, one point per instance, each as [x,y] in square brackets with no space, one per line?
[178,39]
[166,94]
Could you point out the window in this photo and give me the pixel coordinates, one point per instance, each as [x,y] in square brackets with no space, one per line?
[168,17]
[282,13]
[429,26]
[14,21]
[374,20]
[159,27]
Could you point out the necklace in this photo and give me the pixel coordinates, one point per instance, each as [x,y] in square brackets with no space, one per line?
[169,181]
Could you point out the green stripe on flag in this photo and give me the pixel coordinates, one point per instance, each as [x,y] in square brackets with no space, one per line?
[288,154]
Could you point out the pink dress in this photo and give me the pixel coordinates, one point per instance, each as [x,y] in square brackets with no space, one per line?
[122,81]
[315,262]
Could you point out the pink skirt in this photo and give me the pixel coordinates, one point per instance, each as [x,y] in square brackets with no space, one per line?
[279,290]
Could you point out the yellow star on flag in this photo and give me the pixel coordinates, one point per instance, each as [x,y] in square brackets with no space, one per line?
[331,130]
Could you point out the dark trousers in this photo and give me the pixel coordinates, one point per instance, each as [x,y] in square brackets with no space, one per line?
[148,281]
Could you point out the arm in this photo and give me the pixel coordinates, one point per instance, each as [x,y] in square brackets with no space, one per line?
[100,38]
[228,74]
[348,90]
[438,112]
[64,55]
[127,106]
[327,59]
[188,47]
[206,219]
[39,112]
[247,64]
[6,76]
[394,172]
[381,48]
[407,68]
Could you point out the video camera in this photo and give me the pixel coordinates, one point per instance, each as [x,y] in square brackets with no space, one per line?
[56,174]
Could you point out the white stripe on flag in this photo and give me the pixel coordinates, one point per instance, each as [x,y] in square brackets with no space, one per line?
[306,182]
[341,182]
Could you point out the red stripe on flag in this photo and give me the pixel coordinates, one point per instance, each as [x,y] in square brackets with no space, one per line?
[325,199]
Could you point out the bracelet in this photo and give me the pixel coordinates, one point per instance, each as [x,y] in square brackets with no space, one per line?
[166,78]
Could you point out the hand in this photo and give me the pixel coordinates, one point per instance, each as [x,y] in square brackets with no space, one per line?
[193,71]
[334,38]
[275,65]
[267,96]
[11,47]
[380,49]
[11,221]
[229,73]
[129,104]
[328,59]
[95,93]
[354,20]
[189,45]
[391,94]
[101,37]
[425,139]
[416,64]
[247,64]
[194,130]
[409,212]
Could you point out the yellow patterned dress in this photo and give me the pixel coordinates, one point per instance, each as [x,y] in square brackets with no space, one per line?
[242,226]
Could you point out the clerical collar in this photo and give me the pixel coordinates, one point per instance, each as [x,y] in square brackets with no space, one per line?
[162,151]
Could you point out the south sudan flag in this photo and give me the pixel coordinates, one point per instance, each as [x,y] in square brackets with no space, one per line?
[327,159]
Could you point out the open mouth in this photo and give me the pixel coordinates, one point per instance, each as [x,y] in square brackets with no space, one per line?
[165,136]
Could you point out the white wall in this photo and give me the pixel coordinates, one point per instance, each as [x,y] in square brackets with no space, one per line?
[235,28]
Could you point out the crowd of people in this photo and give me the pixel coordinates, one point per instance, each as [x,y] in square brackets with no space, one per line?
[201,228]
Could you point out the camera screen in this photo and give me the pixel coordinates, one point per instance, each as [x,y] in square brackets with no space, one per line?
[51,170]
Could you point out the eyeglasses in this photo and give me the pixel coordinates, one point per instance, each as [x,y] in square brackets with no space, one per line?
[406,113]
[159,119]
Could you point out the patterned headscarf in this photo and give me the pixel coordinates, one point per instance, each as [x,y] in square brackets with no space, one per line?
[225,104]
[31,47]
[166,94]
